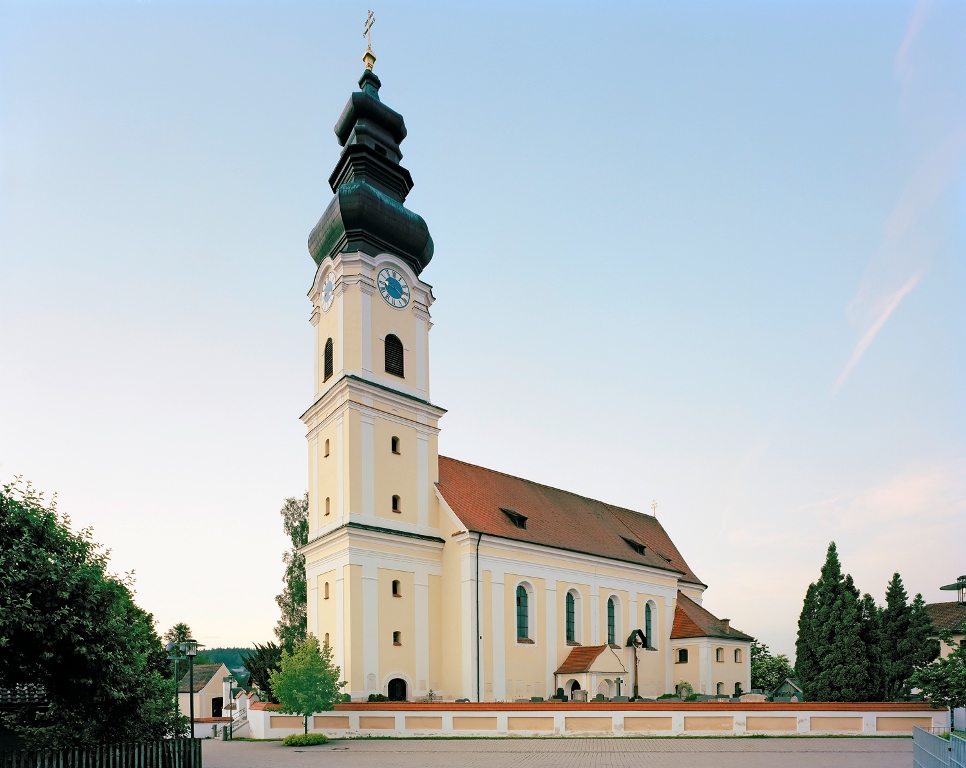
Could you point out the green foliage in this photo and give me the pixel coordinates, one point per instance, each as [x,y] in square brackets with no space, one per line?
[295,520]
[767,671]
[923,648]
[70,626]
[378,697]
[944,681]
[308,681]
[832,638]
[261,663]
[894,639]
[304,739]
[179,633]
[870,632]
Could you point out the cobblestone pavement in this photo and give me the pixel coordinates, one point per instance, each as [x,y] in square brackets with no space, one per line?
[569,753]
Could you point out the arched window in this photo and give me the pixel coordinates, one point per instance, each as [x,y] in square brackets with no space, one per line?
[325,591]
[395,504]
[720,689]
[394,356]
[719,654]
[326,451]
[523,612]
[395,444]
[326,638]
[397,638]
[395,588]
[328,361]
[737,655]
[647,625]
[571,618]
[327,500]
[611,622]
[737,689]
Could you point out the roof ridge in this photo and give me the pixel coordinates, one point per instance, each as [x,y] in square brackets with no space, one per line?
[551,487]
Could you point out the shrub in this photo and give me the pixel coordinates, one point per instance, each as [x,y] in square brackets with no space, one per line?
[304,739]
[378,697]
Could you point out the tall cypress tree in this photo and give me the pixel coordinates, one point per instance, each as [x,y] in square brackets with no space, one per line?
[806,660]
[895,640]
[871,636]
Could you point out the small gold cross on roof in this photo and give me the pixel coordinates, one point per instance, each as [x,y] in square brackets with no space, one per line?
[370,20]
[654,508]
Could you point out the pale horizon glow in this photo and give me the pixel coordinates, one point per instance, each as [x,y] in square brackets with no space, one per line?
[713,257]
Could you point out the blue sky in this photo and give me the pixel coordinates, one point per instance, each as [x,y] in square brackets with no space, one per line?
[704,253]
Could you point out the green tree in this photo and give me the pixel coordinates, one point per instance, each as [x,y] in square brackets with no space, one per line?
[179,633]
[924,647]
[307,681]
[895,640]
[767,671]
[943,681]
[261,662]
[833,664]
[72,627]
[295,520]
[871,632]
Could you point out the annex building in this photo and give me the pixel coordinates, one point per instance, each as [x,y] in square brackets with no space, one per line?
[426,573]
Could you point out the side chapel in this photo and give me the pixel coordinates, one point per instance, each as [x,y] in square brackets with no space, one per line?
[426,573]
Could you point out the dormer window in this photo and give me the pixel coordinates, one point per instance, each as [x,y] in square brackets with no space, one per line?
[520,521]
[636,546]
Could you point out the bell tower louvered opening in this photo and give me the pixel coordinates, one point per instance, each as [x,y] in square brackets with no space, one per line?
[394,356]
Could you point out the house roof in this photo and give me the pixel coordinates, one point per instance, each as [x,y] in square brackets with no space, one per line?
[946,615]
[691,620]
[20,695]
[556,518]
[202,676]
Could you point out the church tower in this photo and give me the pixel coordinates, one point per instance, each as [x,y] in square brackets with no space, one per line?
[374,545]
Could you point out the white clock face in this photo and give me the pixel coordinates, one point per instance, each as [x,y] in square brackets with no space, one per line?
[328,291]
[393,287]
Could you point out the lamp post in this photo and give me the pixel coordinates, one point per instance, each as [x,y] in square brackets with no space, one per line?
[190,649]
[174,654]
[231,708]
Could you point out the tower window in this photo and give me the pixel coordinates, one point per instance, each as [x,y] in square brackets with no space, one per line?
[328,361]
[395,588]
[394,356]
[395,504]
[397,638]
[325,591]
[326,451]
[395,444]
[326,638]
[611,621]
[523,613]
[327,500]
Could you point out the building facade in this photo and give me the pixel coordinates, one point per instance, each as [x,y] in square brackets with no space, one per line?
[431,576]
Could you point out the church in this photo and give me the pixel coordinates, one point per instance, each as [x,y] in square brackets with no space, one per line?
[433,578]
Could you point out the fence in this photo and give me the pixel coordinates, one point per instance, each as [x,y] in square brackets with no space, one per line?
[932,751]
[168,753]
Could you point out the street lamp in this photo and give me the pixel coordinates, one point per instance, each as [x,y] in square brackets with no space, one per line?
[174,654]
[231,707]
[190,649]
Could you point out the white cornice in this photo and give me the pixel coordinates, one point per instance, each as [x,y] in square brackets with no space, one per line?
[336,396]
[342,534]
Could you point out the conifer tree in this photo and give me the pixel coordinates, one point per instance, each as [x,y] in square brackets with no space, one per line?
[871,629]
[806,661]
[923,648]
[895,639]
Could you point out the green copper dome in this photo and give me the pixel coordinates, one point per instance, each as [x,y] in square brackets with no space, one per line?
[367,212]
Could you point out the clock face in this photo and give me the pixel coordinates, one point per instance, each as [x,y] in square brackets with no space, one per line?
[328,291]
[393,287]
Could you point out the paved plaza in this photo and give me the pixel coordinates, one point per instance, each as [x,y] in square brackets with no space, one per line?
[569,753]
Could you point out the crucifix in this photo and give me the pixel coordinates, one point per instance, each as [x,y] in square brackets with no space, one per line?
[370,20]
[654,508]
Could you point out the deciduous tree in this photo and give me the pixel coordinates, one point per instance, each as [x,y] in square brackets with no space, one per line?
[307,681]
[295,520]
[767,671]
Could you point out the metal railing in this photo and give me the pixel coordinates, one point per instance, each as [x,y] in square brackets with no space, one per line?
[931,750]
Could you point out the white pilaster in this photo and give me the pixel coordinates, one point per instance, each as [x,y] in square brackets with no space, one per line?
[368,465]
[469,633]
[499,636]
[341,638]
[340,467]
[665,646]
[594,613]
[370,621]
[312,617]
[550,636]
[420,353]
[422,628]
[314,485]
[422,479]
[366,328]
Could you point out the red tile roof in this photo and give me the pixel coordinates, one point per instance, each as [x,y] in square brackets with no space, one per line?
[556,518]
[691,620]
[580,659]
[947,615]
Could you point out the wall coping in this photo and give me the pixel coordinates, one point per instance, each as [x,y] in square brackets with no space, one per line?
[667,705]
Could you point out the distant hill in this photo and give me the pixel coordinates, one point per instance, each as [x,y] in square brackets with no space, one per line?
[230,657]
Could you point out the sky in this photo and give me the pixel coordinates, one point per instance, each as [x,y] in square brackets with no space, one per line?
[709,254]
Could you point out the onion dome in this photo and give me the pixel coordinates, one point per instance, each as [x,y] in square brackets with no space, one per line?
[367,212]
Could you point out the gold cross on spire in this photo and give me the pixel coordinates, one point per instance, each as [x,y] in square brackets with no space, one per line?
[369,57]
[654,508]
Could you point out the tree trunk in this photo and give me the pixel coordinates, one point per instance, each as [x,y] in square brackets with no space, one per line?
[306,725]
